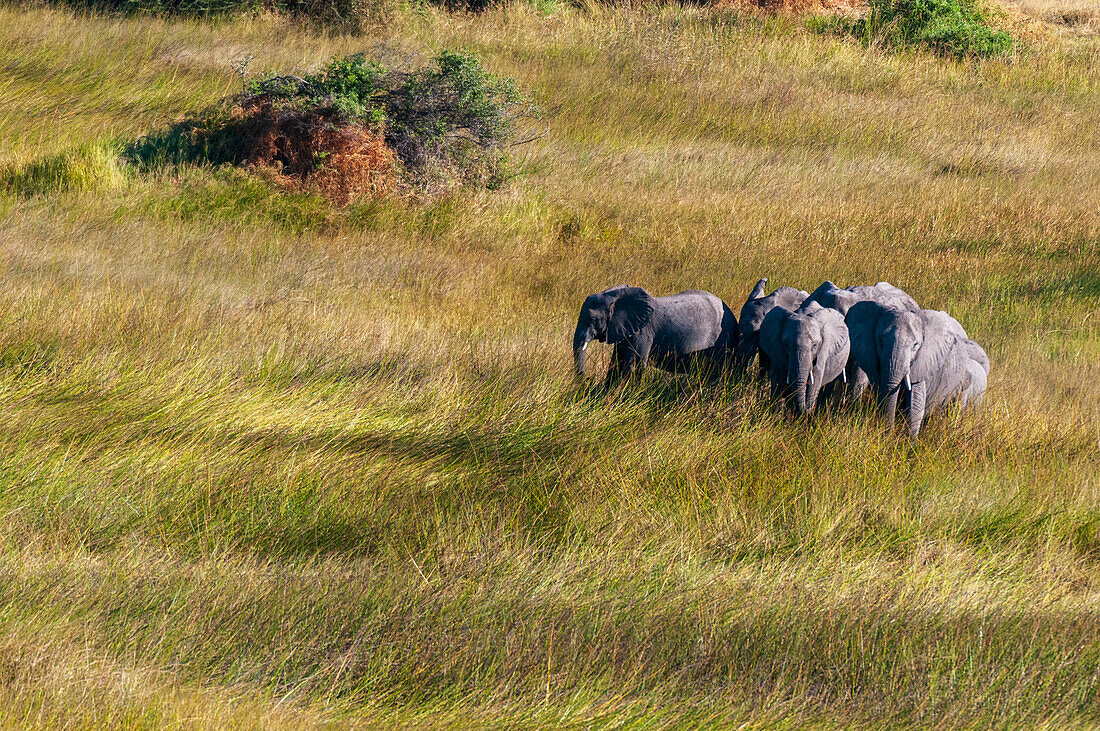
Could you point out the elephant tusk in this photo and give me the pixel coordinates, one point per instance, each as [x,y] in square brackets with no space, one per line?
[908,385]
[844,376]
[584,347]
[811,378]
[788,378]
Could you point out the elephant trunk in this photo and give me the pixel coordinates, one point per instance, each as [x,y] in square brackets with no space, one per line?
[802,366]
[812,391]
[580,344]
[890,404]
[758,291]
[896,374]
[578,361]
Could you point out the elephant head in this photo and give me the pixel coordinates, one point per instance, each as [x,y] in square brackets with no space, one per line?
[896,347]
[811,344]
[753,312]
[610,316]
[802,339]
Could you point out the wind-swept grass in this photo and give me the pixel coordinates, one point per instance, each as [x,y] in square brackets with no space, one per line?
[268,462]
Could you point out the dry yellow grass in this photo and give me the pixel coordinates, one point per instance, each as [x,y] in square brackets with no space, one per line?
[268,462]
[1077,16]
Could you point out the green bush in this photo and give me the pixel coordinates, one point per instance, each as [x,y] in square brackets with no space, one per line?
[957,28]
[447,121]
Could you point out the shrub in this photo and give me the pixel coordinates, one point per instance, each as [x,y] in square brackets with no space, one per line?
[956,28]
[353,127]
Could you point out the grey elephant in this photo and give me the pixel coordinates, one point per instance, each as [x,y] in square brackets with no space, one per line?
[753,312]
[831,296]
[672,333]
[841,300]
[924,356]
[806,352]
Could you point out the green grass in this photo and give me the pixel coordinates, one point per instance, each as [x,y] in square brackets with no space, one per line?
[266,462]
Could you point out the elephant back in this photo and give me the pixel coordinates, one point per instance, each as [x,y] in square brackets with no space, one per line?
[829,295]
[755,310]
[695,320]
[976,353]
[888,295]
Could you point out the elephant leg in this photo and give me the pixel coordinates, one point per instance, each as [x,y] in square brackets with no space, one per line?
[636,352]
[917,398]
[858,383]
[634,362]
[727,366]
[740,357]
[765,365]
[775,383]
[618,363]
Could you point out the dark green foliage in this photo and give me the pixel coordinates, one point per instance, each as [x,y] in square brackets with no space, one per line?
[449,120]
[957,28]
[453,116]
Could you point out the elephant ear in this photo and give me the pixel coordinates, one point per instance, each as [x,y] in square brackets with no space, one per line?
[940,338]
[630,312]
[834,335]
[612,292]
[771,334]
[862,321]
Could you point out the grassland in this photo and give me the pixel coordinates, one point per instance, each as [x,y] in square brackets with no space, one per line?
[269,463]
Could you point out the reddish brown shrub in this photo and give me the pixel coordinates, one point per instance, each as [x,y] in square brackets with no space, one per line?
[795,6]
[304,149]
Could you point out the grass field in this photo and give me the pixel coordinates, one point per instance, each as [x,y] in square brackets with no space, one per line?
[269,463]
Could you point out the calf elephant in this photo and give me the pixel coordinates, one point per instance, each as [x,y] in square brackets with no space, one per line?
[753,312]
[670,332]
[926,351]
[806,351]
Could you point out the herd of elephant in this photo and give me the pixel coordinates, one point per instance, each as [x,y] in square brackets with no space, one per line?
[810,345]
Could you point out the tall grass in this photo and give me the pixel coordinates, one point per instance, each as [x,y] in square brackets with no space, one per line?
[264,461]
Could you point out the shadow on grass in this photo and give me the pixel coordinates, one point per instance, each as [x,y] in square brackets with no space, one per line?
[284,490]
[1082,283]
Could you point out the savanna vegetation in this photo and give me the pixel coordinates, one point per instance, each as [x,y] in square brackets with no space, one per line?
[268,459]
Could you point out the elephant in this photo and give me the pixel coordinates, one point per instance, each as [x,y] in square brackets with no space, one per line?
[927,351]
[806,351]
[753,312]
[841,300]
[673,332]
